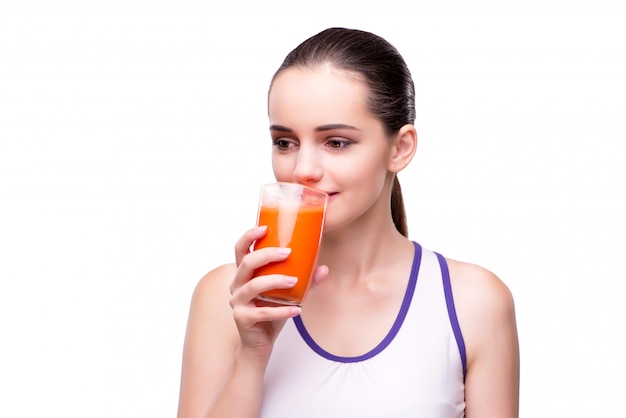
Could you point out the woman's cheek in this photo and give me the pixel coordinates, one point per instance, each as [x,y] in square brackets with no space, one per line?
[283,170]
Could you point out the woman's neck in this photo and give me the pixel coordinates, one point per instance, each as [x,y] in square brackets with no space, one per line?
[359,250]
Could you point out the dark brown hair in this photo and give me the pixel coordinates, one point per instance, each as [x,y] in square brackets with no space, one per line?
[384,71]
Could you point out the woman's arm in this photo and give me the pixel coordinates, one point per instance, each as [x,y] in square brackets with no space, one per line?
[211,342]
[486,314]
[229,337]
[220,377]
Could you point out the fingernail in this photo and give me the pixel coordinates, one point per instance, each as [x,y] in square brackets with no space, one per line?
[284,251]
[295,310]
[291,279]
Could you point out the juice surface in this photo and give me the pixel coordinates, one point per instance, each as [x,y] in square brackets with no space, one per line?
[300,230]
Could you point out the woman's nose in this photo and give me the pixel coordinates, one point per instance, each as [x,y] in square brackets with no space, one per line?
[308,166]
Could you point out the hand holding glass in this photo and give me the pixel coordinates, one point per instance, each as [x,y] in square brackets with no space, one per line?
[294,216]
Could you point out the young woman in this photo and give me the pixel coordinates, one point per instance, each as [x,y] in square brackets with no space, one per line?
[390,329]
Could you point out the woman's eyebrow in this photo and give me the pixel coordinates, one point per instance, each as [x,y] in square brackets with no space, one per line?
[335,126]
[280,128]
[322,128]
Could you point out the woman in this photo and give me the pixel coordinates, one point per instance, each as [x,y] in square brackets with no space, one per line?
[390,329]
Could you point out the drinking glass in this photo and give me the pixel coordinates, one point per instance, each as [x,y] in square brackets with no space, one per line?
[294,215]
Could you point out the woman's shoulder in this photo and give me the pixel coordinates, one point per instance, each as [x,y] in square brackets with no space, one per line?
[486,314]
[484,306]
[210,302]
[478,286]
[216,281]
[480,298]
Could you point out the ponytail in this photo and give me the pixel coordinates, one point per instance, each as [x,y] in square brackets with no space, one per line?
[397,208]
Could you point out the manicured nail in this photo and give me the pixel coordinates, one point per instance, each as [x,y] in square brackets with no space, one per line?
[295,310]
[284,251]
[291,279]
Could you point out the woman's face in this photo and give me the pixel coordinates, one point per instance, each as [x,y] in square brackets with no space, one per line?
[325,137]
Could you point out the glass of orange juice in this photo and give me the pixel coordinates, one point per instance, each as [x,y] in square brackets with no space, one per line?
[294,216]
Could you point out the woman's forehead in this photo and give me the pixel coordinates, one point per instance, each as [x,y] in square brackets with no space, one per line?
[321,90]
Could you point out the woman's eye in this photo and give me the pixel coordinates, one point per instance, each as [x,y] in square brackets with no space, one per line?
[281,144]
[337,144]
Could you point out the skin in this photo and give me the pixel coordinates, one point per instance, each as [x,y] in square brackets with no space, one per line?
[324,136]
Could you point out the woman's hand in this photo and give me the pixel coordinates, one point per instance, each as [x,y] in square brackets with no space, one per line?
[260,322]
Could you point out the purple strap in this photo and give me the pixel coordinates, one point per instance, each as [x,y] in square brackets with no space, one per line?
[447,288]
[406,302]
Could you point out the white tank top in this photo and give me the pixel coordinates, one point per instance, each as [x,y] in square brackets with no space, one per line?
[418,369]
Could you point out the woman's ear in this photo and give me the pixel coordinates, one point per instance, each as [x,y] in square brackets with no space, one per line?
[403,149]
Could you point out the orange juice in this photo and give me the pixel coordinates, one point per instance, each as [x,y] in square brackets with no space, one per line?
[298,228]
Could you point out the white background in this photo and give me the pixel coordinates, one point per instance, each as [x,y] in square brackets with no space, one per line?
[133,141]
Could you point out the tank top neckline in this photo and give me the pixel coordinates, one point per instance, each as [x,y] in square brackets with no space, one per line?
[393,331]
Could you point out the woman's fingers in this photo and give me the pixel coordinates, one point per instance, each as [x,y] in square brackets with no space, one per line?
[252,261]
[258,323]
[248,316]
[242,247]
[252,288]
[254,317]
[319,274]
[245,288]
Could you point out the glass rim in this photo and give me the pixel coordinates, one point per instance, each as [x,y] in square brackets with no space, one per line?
[295,185]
